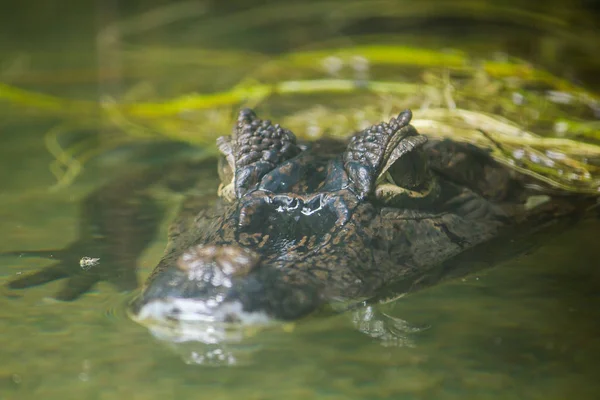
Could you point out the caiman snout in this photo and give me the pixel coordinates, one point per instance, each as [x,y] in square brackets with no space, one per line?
[217,265]
[212,288]
[205,285]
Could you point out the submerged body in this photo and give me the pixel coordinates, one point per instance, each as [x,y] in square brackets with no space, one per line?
[300,228]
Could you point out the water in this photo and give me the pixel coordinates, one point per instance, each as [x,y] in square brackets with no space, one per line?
[525,329]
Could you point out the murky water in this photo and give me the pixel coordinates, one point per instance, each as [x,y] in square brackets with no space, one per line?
[525,329]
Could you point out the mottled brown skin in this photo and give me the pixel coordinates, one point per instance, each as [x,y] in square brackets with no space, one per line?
[299,227]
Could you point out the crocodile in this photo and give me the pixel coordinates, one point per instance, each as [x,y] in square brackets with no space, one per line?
[284,229]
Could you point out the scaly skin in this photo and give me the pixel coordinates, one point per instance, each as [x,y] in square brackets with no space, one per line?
[296,227]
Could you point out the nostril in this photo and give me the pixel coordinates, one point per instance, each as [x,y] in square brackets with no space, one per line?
[230,261]
[173,314]
[231,318]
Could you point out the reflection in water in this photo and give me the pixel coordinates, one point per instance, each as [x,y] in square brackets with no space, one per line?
[227,344]
[214,355]
[387,329]
[208,343]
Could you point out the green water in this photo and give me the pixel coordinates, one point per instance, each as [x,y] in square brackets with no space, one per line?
[525,329]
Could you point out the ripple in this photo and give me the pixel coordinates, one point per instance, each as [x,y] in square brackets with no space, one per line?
[116,306]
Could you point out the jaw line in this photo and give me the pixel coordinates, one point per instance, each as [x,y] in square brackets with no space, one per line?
[193,325]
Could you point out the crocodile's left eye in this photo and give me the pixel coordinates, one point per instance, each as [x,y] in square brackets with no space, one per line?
[387,161]
[410,171]
[406,179]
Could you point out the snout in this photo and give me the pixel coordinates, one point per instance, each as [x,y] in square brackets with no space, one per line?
[211,290]
[197,292]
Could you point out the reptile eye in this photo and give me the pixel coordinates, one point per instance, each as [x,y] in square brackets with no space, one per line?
[225,189]
[372,152]
[407,182]
[409,171]
[225,171]
[255,148]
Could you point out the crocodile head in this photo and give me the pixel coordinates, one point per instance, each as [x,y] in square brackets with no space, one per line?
[297,227]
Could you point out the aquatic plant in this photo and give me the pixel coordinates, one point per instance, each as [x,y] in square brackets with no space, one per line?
[535,122]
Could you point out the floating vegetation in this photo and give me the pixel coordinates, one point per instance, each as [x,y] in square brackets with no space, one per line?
[529,119]
[88,262]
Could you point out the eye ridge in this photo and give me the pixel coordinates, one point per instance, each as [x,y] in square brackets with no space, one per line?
[255,148]
[374,150]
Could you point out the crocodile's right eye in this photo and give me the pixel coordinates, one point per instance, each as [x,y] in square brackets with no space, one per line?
[226,168]
[226,185]
[255,148]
